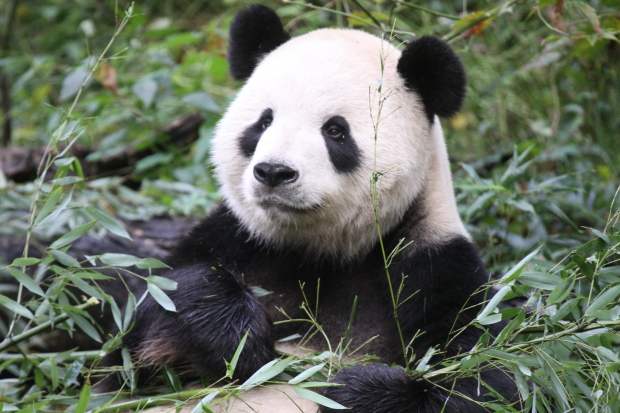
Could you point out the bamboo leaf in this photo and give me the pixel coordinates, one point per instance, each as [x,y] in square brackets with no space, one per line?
[267,372]
[25,262]
[64,258]
[515,271]
[85,325]
[162,282]
[26,281]
[15,307]
[72,235]
[304,375]
[50,203]
[84,398]
[110,223]
[230,367]
[611,295]
[161,297]
[317,398]
[119,260]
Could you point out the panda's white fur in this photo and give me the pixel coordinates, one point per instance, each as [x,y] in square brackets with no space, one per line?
[304,83]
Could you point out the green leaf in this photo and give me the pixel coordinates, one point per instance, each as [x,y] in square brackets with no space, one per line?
[25,262]
[267,372]
[72,235]
[562,290]
[72,83]
[73,371]
[304,375]
[202,406]
[119,260]
[26,281]
[129,310]
[84,398]
[586,268]
[522,384]
[50,203]
[172,379]
[259,292]
[87,288]
[64,258]
[564,309]
[162,282]
[611,295]
[541,280]
[597,245]
[161,297]
[53,372]
[15,307]
[423,363]
[145,89]
[600,234]
[494,302]
[110,223]
[85,325]
[522,205]
[514,272]
[317,398]
[230,367]
[116,313]
[67,180]
[512,326]
[150,263]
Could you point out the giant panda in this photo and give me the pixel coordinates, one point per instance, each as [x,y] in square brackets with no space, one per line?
[295,154]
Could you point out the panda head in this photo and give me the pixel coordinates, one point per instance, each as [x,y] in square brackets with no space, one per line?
[296,150]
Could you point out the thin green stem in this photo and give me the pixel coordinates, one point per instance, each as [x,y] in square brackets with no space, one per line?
[367,13]
[427,10]
[16,358]
[374,193]
[165,399]
[11,341]
[52,144]
[327,9]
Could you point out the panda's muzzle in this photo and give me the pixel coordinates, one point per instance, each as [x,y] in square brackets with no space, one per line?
[274,174]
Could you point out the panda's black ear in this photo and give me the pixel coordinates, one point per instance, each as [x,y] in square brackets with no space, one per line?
[254,32]
[431,68]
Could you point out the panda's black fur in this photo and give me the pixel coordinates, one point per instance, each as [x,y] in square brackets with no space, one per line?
[219,260]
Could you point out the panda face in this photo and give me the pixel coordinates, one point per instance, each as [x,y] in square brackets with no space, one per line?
[296,150]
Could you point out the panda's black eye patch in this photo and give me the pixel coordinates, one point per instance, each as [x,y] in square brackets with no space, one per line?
[250,137]
[342,149]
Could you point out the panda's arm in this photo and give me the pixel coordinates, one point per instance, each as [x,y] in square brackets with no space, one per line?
[214,310]
[443,292]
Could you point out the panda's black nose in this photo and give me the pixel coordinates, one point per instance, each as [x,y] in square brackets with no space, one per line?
[274,174]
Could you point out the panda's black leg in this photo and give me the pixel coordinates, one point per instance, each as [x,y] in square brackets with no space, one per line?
[214,311]
[380,389]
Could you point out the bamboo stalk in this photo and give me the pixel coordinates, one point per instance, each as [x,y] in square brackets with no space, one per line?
[11,341]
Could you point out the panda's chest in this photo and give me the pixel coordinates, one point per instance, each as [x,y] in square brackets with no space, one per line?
[351,301]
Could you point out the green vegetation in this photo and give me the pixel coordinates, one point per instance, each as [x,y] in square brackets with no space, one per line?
[534,153]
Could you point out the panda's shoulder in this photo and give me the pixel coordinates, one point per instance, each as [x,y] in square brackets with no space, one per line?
[219,233]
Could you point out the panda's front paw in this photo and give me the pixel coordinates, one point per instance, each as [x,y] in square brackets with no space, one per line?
[214,310]
[375,389]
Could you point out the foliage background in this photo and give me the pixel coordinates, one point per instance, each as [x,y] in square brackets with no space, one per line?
[534,154]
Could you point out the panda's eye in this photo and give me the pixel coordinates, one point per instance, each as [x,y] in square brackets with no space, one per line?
[334,131]
[265,123]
